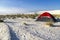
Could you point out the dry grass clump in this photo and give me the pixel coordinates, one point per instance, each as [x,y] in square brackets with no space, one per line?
[49,23]
[1,21]
[25,23]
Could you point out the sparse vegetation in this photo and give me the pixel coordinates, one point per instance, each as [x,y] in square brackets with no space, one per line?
[33,16]
[19,15]
[1,21]
[25,23]
[49,23]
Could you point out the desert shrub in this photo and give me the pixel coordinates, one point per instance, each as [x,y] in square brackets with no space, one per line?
[49,23]
[13,17]
[1,21]
[25,23]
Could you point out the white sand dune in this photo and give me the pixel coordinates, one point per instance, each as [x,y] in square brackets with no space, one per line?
[16,30]
[4,32]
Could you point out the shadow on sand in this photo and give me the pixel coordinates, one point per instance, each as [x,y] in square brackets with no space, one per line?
[55,25]
[58,20]
[12,34]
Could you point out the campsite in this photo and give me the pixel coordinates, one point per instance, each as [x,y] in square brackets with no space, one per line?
[29,19]
[48,28]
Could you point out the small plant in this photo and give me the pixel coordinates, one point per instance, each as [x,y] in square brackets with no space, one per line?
[49,23]
[25,24]
[1,21]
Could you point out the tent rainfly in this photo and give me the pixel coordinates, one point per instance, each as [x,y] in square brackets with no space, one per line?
[46,17]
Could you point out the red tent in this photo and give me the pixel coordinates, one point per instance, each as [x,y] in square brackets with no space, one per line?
[46,17]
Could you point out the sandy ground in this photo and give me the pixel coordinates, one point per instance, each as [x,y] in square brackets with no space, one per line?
[15,29]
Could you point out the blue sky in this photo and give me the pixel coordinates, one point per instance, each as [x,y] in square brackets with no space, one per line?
[30,5]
